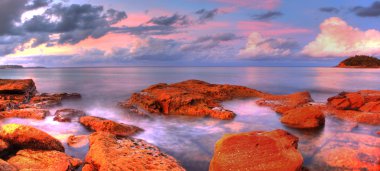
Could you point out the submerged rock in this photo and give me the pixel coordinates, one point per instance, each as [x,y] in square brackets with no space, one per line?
[77,141]
[102,124]
[22,136]
[44,160]
[25,113]
[257,151]
[192,97]
[304,117]
[107,152]
[67,115]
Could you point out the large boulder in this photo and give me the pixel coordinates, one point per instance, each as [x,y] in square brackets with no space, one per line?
[257,151]
[107,152]
[25,113]
[192,97]
[304,117]
[44,161]
[101,124]
[67,115]
[20,87]
[22,136]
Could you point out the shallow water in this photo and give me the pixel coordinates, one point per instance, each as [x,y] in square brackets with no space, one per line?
[191,140]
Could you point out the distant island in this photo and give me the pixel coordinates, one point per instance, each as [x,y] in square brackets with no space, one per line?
[16,67]
[360,61]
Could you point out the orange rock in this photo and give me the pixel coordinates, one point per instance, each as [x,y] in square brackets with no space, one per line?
[25,113]
[67,115]
[17,87]
[304,117]
[107,152]
[192,97]
[344,100]
[283,103]
[356,116]
[44,160]
[22,136]
[371,107]
[254,151]
[101,124]
[5,166]
[77,141]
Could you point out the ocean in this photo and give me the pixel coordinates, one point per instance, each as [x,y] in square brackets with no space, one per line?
[189,139]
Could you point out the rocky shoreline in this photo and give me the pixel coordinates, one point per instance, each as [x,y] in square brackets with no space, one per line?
[112,147]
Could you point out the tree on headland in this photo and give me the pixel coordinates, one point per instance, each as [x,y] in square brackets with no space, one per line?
[360,61]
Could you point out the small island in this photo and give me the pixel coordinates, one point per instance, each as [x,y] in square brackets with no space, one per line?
[18,67]
[360,61]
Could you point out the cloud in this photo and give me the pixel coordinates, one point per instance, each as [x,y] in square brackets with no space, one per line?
[338,39]
[252,4]
[267,16]
[329,10]
[37,4]
[10,12]
[263,47]
[173,20]
[206,15]
[371,11]
[209,42]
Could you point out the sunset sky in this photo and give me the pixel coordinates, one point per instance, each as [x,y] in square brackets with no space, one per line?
[64,33]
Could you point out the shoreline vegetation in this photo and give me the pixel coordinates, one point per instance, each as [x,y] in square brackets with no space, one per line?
[360,61]
[112,146]
[18,67]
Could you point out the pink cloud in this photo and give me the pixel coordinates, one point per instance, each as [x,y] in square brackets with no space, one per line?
[338,39]
[269,28]
[253,4]
[259,46]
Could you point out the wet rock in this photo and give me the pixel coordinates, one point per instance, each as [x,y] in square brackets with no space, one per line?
[304,117]
[46,100]
[5,166]
[356,116]
[373,107]
[25,113]
[283,103]
[44,160]
[274,150]
[77,141]
[346,101]
[22,136]
[18,90]
[101,124]
[107,152]
[192,97]
[4,148]
[67,115]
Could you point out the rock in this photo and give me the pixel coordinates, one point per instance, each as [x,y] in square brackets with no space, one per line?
[67,115]
[346,101]
[107,152]
[25,113]
[3,146]
[44,160]
[101,124]
[77,141]
[304,117]
[356,116]
[264,151]
[5,166]
[192,97]
[17,87]
[283,103]
[46,100]
[22,136]
[371,107]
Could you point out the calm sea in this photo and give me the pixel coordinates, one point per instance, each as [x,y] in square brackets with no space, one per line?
[190,140]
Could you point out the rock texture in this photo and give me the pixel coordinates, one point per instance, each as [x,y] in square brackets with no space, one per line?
[44,161]
[257,151]
[106,151]
[22,136]
[25,113]
[192,97]
[5,166]
[362,106]
[104,125]
[304,117]
[67,115]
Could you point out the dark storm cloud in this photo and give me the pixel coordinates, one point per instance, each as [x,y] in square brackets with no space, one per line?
[209,42]
[329,9]
[371,11]
[267,16]
[37,4]
[76,22]
[205,15]
[175,19]
[10,12]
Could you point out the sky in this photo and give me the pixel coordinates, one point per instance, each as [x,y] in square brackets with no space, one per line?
[73,33]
